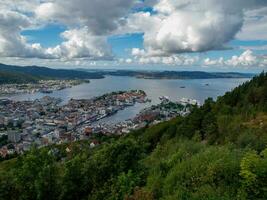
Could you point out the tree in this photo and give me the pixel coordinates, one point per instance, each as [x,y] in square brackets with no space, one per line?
[73,179]
[36,175]
[254,175]
[124,184]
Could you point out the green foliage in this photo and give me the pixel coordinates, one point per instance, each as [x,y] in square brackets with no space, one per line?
[124,184]
[15,77]
[72,179]
[28,74]
[3,140]
[254,175]
[190,170]
[8,189]
[37,175]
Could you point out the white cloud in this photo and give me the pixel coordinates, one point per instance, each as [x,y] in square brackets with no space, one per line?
[209,61]
[101,16]
[89,23]
[141,57]
[169,60]
[45,11]
[138,52]
[80,43]
[246,59]
[128,60]
[12,43]
[190,25]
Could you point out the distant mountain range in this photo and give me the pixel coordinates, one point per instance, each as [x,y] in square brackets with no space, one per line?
[18,74]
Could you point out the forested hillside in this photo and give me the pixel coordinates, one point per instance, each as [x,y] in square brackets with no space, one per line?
[17,74]
[217,152]
[8,77]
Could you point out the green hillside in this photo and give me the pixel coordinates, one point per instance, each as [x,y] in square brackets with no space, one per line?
[14,77]
[28,74]
[217,152]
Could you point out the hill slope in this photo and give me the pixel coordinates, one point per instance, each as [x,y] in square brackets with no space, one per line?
[216,152]
[174,74]
[10,77]
[46,73]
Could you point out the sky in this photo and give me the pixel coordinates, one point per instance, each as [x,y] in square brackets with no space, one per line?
[207,35]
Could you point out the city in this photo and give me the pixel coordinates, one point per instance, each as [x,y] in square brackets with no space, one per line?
[45,121]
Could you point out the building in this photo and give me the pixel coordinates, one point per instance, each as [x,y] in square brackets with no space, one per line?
[14,136]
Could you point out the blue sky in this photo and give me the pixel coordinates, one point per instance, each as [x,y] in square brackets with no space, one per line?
[47,36]
[122,44]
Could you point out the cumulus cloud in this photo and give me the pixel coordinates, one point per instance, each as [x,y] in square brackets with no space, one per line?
[80,43]
[191,25]
[12,43]
[101,16]
[89,24]
[247,59]
[141,57]
[24,6]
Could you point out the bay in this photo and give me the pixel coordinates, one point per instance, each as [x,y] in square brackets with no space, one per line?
[199,89]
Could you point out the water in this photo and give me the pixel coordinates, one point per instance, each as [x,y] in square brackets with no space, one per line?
[194,89]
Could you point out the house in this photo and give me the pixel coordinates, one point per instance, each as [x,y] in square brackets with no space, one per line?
[94,143]
[13,136]
[88,131]
[58,132]
[3,152]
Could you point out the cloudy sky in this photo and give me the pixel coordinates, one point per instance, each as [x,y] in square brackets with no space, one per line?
[212,35]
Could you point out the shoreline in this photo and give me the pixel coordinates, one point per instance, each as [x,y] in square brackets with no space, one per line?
[43,86]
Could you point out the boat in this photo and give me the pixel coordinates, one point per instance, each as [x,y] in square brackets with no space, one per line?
[182,86]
